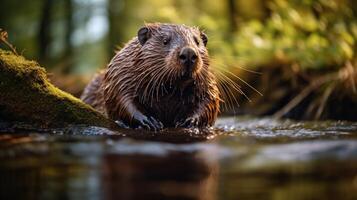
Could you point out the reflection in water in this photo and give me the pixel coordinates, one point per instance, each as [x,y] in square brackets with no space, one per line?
[34,167]
[104,168]
[252,159]
[176,175]
[317,169]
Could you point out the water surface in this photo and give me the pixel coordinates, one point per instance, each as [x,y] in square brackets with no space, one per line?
[243,158]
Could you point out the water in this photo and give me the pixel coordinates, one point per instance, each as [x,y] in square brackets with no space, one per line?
[243,158]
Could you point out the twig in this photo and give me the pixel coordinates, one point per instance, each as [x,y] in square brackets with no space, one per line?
[324,99]
[350,73]
[303,94]
[3,38]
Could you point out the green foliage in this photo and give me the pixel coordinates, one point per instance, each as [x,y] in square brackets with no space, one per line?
[310,33]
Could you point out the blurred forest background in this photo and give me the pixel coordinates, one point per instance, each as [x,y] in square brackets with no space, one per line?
[300,54]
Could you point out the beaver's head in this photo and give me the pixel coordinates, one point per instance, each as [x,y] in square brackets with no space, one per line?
[177,51]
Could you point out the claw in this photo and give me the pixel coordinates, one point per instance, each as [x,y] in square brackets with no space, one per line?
[145,122]
[188,123]
[156,123]
[121,124]
[149,123]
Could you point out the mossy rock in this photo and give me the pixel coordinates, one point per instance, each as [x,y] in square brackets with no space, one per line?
[26,95]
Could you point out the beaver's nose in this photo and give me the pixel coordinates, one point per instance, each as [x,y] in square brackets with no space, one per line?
[188,57]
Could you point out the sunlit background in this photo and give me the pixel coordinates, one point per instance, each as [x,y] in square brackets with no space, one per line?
[285,41]
[274,59]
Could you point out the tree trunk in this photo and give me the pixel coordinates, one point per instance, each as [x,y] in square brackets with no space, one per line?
[44,34]
[68,49]
[232,11]
[118,15]
[27,96]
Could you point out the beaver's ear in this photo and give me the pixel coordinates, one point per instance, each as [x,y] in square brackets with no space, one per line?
[143,35]
[204,38]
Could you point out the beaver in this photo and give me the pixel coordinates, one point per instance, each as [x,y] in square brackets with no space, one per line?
[161,78]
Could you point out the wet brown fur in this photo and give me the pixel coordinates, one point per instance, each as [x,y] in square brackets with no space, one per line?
[146,80]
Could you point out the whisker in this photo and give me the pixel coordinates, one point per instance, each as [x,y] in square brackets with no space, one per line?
[215,61]
[225,88]
[231,83]
[250,86]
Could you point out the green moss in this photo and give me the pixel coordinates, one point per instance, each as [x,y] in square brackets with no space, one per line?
[27,95]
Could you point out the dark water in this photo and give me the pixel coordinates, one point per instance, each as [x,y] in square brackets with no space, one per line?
[244,159]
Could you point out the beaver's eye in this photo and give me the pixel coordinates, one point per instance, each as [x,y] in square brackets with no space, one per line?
[166,40]
[196,41]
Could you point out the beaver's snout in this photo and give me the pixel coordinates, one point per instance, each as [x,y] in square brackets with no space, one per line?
[188,59]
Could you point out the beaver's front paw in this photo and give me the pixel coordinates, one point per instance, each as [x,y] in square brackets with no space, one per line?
[189,122]
[148,122]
